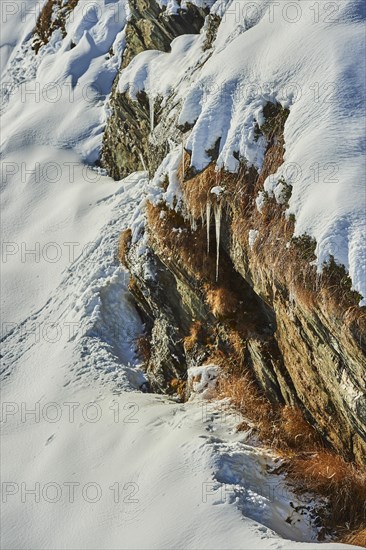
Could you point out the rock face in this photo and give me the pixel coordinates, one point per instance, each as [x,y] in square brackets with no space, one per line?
[52,17]
[126,146]
[303,338]
[302,351]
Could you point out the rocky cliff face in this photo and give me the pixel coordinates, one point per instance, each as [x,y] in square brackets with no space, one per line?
[127,146]
[302,336]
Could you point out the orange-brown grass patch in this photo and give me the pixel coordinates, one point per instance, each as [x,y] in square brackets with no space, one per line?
[173,236]
[355,319]
[222,301]
[309,466]
[356,538]
[289,260]
[237,344]
[341,482]
[197,191]
[124,245]
[143,346]
[219,358]
[195,336]
[184,167]
[283,427]
[246,397]
[179,387]
[295,432]
[133,286]
[336,282]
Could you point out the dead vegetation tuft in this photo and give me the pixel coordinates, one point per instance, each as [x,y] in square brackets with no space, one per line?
[197,191]
[341,482]
[196,334]
[175,238]
[178,387]
[309,466]
[294,431]
[143,347]
[223,302]
[124,246]
[356,538]
[246,397]
[52,17]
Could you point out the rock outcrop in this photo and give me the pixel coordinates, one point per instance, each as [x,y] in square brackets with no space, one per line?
[302,336]
[127,146]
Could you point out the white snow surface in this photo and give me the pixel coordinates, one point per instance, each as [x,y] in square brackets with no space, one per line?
[310,59]
[99,464]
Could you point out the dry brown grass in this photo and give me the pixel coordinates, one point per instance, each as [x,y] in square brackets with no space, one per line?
[237,345]
[124,245]
[290,261]
[344,485]
[53,16]
[197,191]
[295,432]
[222,301]
[184,167]
[174,238]
[143,346]
[219,358]
[356,315]
[341,482]
[356,538]
[178,387]
[282,427]
[309,466]
[246,397]
[195,336]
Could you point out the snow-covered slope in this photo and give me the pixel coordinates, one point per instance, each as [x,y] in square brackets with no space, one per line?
[186,479]
[310,59]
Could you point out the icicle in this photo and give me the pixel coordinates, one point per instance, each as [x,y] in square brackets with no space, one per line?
[217,214]
[151,109]
[142,160]
[202,216]
[208,221]
[192,222]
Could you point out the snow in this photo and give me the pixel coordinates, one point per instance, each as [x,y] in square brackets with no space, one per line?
[203,379]
[99,464]
[252,237]
[217,190]
[309,58]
